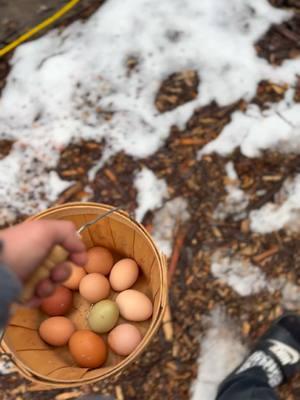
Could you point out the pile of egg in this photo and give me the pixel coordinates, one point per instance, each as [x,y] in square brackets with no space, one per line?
[94,282]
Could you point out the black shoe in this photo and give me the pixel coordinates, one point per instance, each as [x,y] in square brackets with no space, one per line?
[277,351]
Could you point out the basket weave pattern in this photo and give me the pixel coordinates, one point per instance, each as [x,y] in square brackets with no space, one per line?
[42,363]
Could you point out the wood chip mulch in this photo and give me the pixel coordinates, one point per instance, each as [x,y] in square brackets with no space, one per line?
[168,367]
[177,89]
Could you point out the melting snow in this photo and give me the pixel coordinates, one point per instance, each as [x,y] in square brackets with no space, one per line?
[236,200]
[283,213]
[167,220]
[151,192]
[221,352]
[246,279]
[62,87]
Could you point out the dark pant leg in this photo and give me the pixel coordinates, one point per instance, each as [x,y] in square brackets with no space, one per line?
[251,384]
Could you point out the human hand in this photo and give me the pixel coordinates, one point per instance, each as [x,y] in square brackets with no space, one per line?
[28,244]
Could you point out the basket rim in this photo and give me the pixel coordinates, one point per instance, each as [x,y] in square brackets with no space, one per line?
[39,378]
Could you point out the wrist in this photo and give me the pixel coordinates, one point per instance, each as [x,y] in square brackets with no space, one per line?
[10,290]
[9,259]
[10,287]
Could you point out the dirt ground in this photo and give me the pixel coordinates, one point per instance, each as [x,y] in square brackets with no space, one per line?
[169,366]
[16,17]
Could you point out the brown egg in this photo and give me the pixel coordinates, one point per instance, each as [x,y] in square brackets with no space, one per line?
[134,305]
[56,330]
[123,274]
[87,349]
[99,260]
[94,287]
[59,303]
[77,273]
[124,338]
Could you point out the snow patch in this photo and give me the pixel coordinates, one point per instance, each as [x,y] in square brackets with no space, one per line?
[74,84]
[290,292]
[291,296]
[236,200]
[26,185]
[151,192]
[254,130]
[221,352]
[7,367]
[243,277]
[55,185]
[166,221]
[283,213]
[247,279]
[231,172]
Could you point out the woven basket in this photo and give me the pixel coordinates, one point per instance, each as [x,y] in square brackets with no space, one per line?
[47,365]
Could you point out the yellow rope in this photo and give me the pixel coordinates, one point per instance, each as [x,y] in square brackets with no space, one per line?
[39,27]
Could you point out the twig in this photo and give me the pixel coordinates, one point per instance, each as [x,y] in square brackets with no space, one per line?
[167,324]
[288,34]
[68,395]
[266,254]
[268,196]
[285,119]
[119,393]
[110,175]
[189,141]
[179,240]
[68,193]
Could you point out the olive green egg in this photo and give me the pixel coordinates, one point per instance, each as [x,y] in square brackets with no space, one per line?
[103,316]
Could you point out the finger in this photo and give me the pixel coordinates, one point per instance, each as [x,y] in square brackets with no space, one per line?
[44,288]
[64,233]
[79,258]
[60,272]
